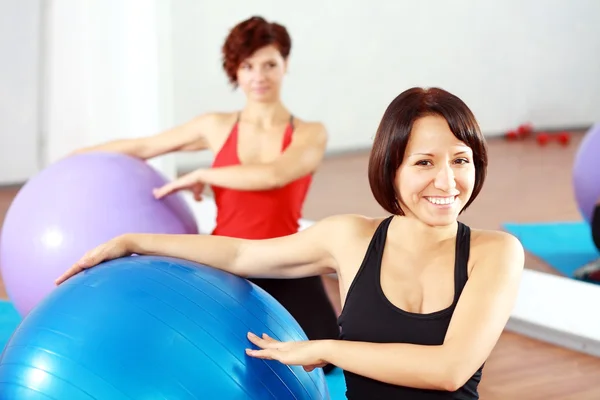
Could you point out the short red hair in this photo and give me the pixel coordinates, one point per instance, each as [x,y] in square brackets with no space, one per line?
[247,37]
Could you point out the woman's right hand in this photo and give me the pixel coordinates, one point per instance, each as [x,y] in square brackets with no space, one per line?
[114,248]
[190,181]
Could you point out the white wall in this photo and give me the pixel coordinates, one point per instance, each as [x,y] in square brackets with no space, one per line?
[511,61]
[107,72]
[126,68]
[19,89]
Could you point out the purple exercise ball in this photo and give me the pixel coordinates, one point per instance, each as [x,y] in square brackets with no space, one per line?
[73,206]
[586,172]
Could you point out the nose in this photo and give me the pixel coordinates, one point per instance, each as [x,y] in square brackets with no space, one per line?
[444,179]
[259,74]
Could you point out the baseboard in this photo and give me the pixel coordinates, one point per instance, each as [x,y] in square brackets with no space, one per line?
[556,337]
[11,185]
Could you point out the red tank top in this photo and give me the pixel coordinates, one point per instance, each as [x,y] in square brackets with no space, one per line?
[261,214]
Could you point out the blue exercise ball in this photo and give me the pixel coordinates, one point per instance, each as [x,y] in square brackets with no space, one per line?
[148,327]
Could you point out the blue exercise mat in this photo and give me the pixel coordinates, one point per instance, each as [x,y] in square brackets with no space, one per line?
[336,384]
[10,319]
[565,246]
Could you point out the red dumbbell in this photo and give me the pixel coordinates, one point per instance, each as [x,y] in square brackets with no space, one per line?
[564,138]
[542,138]
[525,130]
[520,133]
[561,137]
[511,135]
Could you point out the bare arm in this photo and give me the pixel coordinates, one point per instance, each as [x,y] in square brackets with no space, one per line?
[301,158]
[186,137]
[306,253]
[480,316]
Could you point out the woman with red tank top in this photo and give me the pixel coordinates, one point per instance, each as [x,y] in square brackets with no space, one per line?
[262,214]
[263,165]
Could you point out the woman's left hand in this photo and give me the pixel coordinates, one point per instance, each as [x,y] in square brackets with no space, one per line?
[307,353]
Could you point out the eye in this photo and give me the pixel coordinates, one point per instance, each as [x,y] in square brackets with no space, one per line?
[462,161]
[424,163]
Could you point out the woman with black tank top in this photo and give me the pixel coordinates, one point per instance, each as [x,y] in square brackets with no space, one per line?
[425,297]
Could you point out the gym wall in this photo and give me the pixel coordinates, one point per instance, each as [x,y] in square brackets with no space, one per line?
[512,61]
[86,72]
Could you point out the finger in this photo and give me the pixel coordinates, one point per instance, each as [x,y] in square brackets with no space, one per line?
[90,259]
[262,343]
[267,354]
[178,184]
[257,340]
[309,368]
[197,190]
[75,269]
[164,191]
[269,338]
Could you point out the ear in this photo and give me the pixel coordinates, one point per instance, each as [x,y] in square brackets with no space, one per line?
[286,64]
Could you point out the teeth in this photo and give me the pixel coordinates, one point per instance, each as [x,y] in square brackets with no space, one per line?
[441,200]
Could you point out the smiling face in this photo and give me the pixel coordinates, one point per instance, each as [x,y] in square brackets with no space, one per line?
[260,76]
[437,174]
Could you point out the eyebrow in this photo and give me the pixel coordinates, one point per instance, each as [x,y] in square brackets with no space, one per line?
[431,155]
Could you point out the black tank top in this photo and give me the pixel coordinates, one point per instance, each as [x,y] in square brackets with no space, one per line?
[369,316]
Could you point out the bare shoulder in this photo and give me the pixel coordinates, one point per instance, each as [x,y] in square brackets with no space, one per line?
[492,247]
[352,224]
[345,231]
[214,126]
[493,239]
[216,119]
[303,124]
[312,130]
[346,239]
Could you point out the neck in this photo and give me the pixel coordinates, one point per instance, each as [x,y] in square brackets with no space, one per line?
[423,237]
[265,114]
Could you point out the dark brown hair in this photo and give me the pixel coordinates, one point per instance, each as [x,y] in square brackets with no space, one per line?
[394,131]
[247,37]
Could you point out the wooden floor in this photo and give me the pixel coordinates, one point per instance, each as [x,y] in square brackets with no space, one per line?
[525,183]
